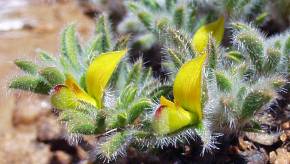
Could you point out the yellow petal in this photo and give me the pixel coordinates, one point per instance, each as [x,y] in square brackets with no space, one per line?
[169,119]
[99,73]
[71,84]
[166,102]
[201,37]
[187,86]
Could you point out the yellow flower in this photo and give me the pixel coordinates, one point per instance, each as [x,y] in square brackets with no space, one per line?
[187,88]
[201,37]
[99,73]
[186,109]
[170,117]
[97,77]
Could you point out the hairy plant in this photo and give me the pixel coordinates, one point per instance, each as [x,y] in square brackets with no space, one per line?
[237,82]
[210,90]
[93,88]
[146,18]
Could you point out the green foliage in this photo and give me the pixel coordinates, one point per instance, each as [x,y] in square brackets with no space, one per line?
[238,81]
[52,75]
[27,66]
[103,41]
[151,16]
[253,101]
[223,83]
[70,48]
[113,146]
[46,57]
[78,122]
[273,57]
[253,45]
[30,83]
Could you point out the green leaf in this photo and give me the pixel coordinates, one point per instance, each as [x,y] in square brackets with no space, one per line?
[133,6]
[103,29]
[146,75]
[135,73]
[260,19]
[70,47]
[52,75]
[241,93]
[235,56]
[179,39]
[94,44]
[30,83]
[175,57]
[146,18]
[26,66]
[287,53]
[113,145]
[162,23]
[239,26]
[78,122]
[254,101]
[117,120]
[160,91]
[212,54]
[169,4]
[192,19]
[272,60]
[151,4]
[65,64]
[287,46]
[46,57]
[178,17]
[137,108]
[254,46]
[122,43]
[128,95]
[223,83]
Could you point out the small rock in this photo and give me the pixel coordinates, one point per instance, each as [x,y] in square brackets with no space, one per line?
[132,152]
[286,125]
[245,145]
[48,128]
[187,150]
[283,137]
[280,156]
[22,148]
[29,109]
[82,154]
[255,156]
[61,157]
[287,132]
[45,28]
[263,138]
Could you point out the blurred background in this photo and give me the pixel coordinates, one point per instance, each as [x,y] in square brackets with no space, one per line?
[29,132]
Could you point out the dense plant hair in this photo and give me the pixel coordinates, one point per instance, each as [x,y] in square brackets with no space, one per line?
[237,82]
